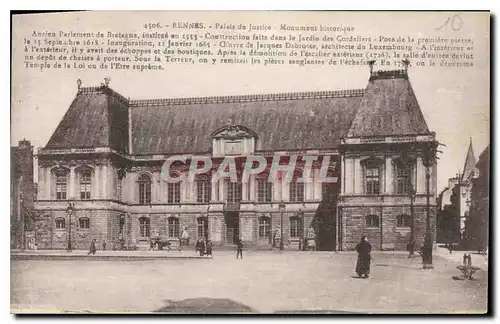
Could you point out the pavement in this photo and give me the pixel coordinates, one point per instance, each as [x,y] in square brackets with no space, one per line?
[263,282]
[103,255]
[478,260]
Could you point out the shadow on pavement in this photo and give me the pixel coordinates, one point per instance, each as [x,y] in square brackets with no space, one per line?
[204,306]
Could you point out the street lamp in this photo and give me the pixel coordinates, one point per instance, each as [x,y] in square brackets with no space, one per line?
[412,194]
[429,160]
[282,207]
[70,211]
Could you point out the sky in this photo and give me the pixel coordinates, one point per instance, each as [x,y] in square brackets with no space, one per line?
[455,101]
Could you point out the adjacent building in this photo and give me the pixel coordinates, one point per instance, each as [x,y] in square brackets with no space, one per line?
[22,195]
[106,156]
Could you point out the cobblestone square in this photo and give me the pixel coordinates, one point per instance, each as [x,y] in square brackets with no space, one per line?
[262,282]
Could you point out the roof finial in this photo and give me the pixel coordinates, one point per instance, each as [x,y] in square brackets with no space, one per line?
[107,80]
[371,63]
[79,84]
[406,63]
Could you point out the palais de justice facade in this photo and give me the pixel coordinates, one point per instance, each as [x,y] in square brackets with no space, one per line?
[106,156]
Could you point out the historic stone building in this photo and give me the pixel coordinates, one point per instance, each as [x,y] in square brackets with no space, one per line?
[22,195]
[106,157]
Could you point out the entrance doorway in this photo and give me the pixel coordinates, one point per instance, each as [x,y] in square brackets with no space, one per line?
[232,227]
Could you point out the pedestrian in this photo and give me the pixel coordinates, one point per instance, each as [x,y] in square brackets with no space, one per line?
[92,248]
[364,257]
[209,247]
[151,245]
[410,248]
[104,245]
[239,249]
[202,248]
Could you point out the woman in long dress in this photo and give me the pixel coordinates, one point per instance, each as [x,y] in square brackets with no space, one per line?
[364,257]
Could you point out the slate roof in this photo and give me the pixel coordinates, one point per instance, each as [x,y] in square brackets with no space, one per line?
[87,122]
[98,117]
[290,121]
[389,107]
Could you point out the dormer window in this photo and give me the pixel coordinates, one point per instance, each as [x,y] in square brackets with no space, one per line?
[233,140]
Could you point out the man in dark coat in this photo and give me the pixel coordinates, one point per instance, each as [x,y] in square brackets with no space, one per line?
[92,248]
[239,249]
[411,248]
[364,257]
[209,247]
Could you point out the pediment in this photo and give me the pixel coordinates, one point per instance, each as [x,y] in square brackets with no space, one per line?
[234,132]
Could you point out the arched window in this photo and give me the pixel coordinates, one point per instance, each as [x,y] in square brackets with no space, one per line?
[296,191]
[329,189]
[264,189]
[264,227]
[174,190]
[202,227]
[144,189]
[144,227]
[372,221]
[85,181]
[60,223]
[404,221]
[173,227]
[61,175]
[84,222]
[404,169]
[203,189]
[295,227]
[233,191]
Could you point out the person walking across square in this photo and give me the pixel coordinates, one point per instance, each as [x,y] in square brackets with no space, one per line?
[239,249]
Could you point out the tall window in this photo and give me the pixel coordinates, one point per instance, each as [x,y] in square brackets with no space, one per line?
[203,190]
[85,181]
[372,221]
[296,191]
[173,227]
[264,190]
[173,193]
[328,189]
[202,227]
[264,227]
[144,227]
[295,227]
[61,185]
[233,191]
[372,179]
[403,179]
[404,221]
[60,223]
[84,223]
[144,189]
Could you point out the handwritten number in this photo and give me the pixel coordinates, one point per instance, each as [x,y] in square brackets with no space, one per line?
[456,23]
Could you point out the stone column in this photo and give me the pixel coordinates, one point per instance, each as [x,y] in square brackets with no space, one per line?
[215,227]
[72,184]
[388,176]
[285,188]
[222,194]
[252,180]
[105,187]
[317,185]
[244,191]
[420,183]
[48,183]
[349,175]
[214,186]
[358,175]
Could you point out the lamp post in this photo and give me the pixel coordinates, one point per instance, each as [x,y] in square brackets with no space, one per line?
[412,195]
[282,207]
[429,160]
[411,244]
[69,211]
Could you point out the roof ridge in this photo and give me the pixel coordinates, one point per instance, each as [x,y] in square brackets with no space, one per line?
[103,89]
[249,98]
